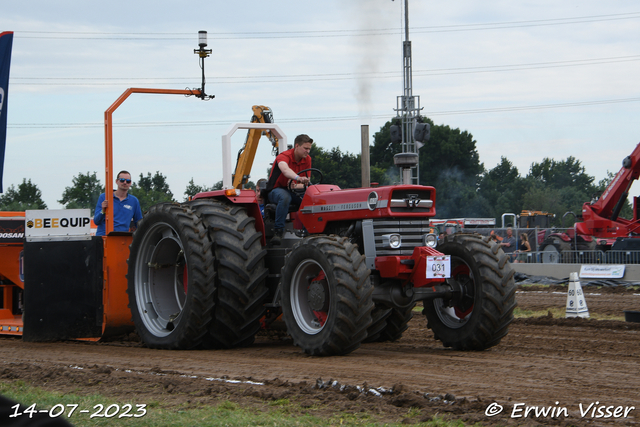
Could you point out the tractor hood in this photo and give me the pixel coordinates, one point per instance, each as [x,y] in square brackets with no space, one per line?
[323,204]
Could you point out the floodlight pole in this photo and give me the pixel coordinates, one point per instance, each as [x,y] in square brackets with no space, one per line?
[202,54]
[407,105]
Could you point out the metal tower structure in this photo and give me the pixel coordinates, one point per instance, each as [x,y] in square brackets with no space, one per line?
[407,110]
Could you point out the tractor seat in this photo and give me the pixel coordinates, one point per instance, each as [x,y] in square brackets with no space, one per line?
[270,209]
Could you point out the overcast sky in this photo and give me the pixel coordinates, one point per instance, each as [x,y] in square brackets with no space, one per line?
[528,79]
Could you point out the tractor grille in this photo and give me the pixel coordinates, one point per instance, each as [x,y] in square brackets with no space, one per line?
[412,201]
[411,230]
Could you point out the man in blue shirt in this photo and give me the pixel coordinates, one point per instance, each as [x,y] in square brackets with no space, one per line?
[125,206]
[509,244]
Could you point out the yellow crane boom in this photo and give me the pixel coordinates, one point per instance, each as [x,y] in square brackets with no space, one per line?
[247,153]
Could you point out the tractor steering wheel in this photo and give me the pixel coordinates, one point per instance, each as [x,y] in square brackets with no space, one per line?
[302,190]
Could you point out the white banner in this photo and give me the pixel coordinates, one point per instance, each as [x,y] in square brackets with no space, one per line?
[602,271]
[58,224]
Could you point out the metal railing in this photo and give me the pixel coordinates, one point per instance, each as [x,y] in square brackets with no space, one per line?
[549,247]
[577,257]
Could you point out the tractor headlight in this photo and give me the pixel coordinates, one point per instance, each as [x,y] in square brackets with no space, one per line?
[393,241]
[430,240]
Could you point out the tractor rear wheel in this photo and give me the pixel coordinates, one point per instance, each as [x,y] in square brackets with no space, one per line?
[378,324]
[389,323]
[326,296]
[397,323]
[240,287]
[480,315]
[170,278]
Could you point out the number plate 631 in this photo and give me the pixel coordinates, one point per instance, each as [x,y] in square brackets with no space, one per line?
[438,267]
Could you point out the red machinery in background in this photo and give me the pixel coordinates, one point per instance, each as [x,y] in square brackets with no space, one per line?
[600,218]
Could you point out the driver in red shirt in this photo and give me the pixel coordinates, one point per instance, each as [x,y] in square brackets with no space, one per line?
[285,169]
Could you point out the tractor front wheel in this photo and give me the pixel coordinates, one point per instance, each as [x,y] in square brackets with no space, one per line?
[479,316]
[326,296]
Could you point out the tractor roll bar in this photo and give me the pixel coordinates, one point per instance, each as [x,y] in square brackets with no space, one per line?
[227,181]
[108,139]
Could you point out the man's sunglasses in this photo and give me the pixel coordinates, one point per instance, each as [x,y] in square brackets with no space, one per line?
[128,181]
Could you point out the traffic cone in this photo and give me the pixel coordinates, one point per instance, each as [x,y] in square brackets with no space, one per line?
[576,304]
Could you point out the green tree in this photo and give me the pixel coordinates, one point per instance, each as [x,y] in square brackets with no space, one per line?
[539,198]
[26,196]
[84,192]
[449,150]
[457,196]
[381,154]
[449,161]
[151,190]
[338,168]
[558,187]
[561,174]
[501,190]
[193,189]
[383,176]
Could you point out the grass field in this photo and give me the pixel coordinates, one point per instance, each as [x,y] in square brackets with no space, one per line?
[275,413]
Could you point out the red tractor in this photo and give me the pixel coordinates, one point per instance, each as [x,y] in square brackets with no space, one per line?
[351,267]
[555,245]
[203,274]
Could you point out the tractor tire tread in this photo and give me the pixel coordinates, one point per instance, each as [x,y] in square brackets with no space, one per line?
[493,308]
[354,304]
[241,273]
[193,328]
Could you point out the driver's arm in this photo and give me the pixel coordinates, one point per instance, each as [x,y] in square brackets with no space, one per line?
[289,173]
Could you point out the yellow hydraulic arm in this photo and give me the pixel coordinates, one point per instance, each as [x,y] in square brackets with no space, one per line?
[246,155]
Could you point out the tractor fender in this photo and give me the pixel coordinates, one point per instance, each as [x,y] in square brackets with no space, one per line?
[246,198]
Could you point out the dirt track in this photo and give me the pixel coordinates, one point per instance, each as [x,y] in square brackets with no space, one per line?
[542,361]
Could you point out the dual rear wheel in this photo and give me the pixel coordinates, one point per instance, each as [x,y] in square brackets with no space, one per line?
[196,276]
[197,280]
